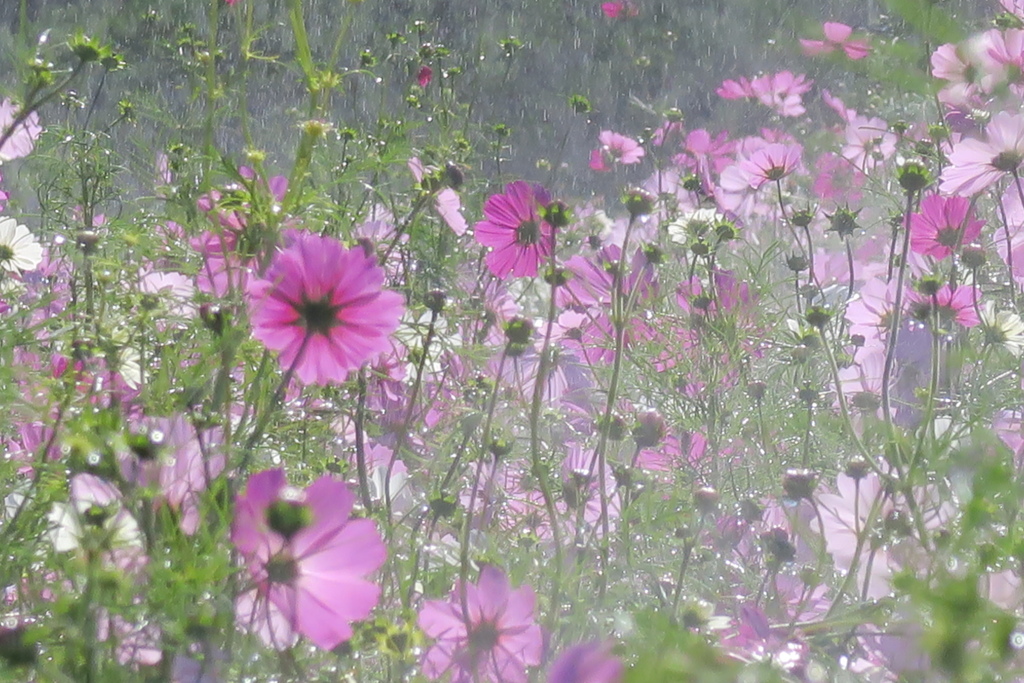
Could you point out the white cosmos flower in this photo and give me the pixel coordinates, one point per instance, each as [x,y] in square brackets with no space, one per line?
[1004,328]
[693,223]
[19,250]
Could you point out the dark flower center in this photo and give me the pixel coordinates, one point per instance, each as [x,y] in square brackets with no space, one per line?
[948,237]
[1007,161]
[282,569]
[528,233]
[483,637]
[775,173]
[866,401]
[6,253]
[319,316]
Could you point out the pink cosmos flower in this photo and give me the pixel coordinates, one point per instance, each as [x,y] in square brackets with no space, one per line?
[837,181]
[974,164]
[870,313]
[868,142]
[771,163]
[22,138]
[838,106]
[615,148]
[942,226]
[484,631]
[1015,7]
[512,227]
[837,37]
[782,92]
[447,202]
[307,558]
[424,76]
[614,10]
[323,308]
[587,663]
[958,305]
[170,455]
[735,90]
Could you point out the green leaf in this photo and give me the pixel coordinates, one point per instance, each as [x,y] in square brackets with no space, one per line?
[928,20]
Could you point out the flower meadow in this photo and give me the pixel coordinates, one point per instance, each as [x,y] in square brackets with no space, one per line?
[376,398]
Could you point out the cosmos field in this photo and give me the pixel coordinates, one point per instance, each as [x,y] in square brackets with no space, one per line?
[705,393]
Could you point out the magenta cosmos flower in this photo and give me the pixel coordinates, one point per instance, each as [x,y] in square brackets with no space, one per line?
[975,164]
[512,227]
[958,305]
[482,632]
[943,224]
[307,560]
[322,307]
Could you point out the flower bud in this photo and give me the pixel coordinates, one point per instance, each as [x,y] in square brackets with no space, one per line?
[557,214]
[639,202]
[213,317]
[499,447]
[973,256]
[802,217]
[435,301]
[518,330]
[706,499]
[288,517]
[797,263]
[844,221]
[799,484]
[777,546]
[807,394]
[615,426]
[146,446]
[756,390]
[857,468]
[649,429]
[818,316]
[913,176]
[87,241]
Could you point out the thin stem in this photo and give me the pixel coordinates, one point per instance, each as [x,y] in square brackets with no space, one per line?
[896,321]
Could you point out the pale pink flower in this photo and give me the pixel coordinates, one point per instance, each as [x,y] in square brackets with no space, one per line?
[483,632]
[615,148]
[1015,7]
[587,663]
[782,92]
[178,461]
[771,163]
[838,106]
[447,201]
[735,90]
[974,165]
[868,142]
[23,137]
[870,313]
[307,558]
[837,37]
